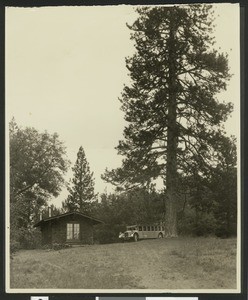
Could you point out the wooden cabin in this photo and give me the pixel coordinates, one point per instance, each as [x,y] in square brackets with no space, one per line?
[69,228]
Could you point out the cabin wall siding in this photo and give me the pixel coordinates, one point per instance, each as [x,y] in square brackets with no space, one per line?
[86,230]
[59,232]
[46,235]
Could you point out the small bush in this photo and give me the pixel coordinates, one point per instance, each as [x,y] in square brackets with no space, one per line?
[46,247]
[55,246]
[14,246]
[222,232]
[205,226]
[107,233]
[23,238]
[31,239]
[202,225]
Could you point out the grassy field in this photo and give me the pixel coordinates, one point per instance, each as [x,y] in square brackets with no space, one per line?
[183,263]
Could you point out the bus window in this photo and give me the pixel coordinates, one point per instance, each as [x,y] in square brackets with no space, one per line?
[152,228]
[148,228]
[156,228]
[162,227]
[131,228]
[140,228]
[144,228]
[159,228]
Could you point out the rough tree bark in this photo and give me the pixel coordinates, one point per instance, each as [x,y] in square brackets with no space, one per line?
[171,164]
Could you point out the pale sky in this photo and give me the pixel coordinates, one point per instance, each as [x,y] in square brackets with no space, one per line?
[65,69]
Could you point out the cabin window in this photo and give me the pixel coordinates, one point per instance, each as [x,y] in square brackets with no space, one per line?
[72,231]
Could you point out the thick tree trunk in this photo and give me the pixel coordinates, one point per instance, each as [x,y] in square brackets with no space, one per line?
[172,137]
[171,175]
[171,214]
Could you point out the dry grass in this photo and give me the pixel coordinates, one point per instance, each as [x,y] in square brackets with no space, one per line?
[184,263]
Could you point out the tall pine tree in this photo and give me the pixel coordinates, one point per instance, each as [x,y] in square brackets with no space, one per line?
[81,190]
[174,117]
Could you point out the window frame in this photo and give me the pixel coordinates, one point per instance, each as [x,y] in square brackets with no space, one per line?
[75,229]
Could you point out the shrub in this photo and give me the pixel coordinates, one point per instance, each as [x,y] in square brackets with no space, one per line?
[107,233]
[24,238]
[31,239]
[14,246]
[197,225]
[204,226]
[221,232]
[55,246]
[224,230]
[46,247]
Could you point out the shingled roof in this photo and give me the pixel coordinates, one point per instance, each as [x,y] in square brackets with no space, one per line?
[43,221]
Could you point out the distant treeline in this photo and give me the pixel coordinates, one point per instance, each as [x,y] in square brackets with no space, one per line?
[205,205]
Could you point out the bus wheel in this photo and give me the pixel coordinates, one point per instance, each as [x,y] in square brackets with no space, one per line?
[136,237]
[160,235]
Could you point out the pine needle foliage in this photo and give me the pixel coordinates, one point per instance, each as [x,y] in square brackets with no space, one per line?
[81,187]
[171,106]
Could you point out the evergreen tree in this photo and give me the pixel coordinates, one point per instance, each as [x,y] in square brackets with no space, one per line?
[174,118]
[224,188]
[81,193]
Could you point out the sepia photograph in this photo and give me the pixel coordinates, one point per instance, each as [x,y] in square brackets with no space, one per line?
[123,148]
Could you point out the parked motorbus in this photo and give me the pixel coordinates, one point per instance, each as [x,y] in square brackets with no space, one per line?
[137,232]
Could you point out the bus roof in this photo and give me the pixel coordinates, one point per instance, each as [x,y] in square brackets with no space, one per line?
[129,226]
